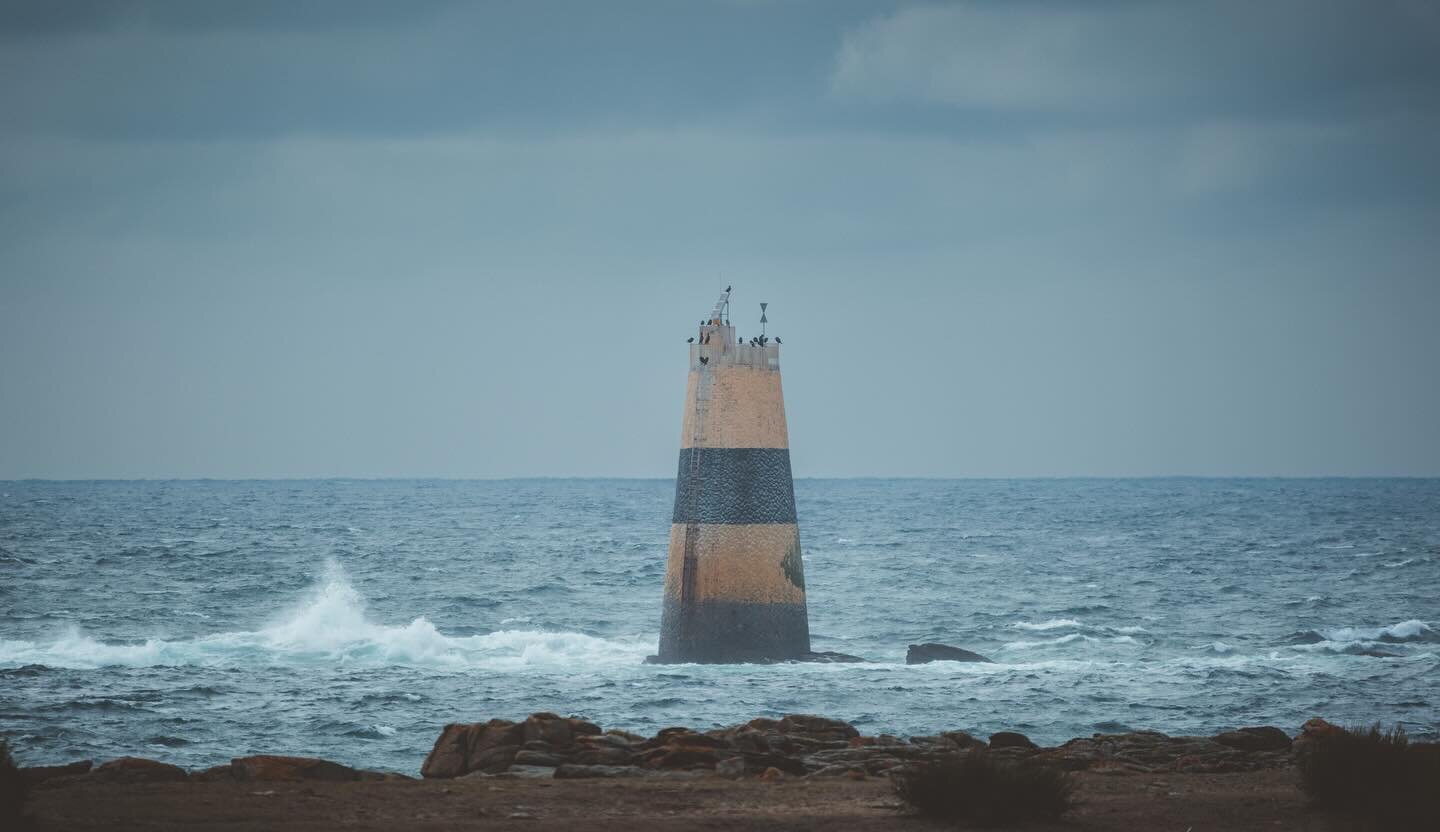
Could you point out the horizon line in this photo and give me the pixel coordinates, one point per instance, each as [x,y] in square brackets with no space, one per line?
[544,478]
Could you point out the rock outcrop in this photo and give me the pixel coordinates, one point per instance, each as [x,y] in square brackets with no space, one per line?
[932,652]
[801,745]
[137,770]
[272,767]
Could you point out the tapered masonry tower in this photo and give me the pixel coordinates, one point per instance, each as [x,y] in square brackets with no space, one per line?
[734,584]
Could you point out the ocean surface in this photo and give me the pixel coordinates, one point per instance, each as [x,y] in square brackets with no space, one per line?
[194,621]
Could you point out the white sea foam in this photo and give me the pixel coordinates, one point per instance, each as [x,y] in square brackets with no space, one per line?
[1050,642]
[1411,630]
[1052,624]
[330,626]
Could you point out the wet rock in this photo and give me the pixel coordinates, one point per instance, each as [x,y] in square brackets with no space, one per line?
[731,767]
[1011,739]
[571,771]
[1264,738]
[932,652]
[138,770]
[272,767]
[35,775]
[829,657]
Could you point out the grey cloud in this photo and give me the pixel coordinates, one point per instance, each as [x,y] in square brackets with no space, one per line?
[372,70]
[471,241]
[1235,58]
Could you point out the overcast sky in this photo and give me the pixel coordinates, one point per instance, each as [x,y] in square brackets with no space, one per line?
[470,239]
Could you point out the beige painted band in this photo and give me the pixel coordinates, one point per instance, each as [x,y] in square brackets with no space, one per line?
[738,563]
[745,409]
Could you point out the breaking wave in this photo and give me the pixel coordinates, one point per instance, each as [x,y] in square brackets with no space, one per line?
[331,627]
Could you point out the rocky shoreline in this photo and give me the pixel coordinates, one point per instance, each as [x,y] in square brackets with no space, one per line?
[546,745]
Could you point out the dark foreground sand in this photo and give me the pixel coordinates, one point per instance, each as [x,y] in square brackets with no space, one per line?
[1245,801]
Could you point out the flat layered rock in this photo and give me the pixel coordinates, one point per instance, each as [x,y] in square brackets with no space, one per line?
[276,768]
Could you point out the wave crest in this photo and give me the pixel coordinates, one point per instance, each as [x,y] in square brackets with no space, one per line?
[331,627]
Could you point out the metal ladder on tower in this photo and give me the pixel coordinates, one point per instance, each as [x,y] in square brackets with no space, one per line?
[704,385]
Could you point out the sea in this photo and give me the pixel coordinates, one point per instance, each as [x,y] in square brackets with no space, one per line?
[196,621]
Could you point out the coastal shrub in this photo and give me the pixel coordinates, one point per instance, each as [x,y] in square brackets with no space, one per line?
[981,788]
[1377,776]
[13,790]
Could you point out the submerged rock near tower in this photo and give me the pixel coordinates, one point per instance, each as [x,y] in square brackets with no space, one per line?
[734,583]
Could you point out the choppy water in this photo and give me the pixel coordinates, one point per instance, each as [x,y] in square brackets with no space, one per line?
[195,621]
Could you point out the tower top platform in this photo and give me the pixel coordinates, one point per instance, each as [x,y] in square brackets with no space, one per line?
[720,347]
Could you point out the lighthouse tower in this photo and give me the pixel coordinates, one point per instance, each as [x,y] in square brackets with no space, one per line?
[734,584]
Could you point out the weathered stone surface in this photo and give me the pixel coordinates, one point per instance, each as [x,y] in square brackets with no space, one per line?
[272,767]
[480,746]
[447,756]
[816,727]
[806,745]
[962,740]
[1149,751]
[1318,729]
[528,772]
[549,728]
[1011,739]
[495,759]
[603,756]
[1264,738]
[214,774]
[685,756]
[628,736]
[138,770]
[537,758]
[932,652]
[570,771]
[35,775]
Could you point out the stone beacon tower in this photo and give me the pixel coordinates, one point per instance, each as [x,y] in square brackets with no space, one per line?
[734,583]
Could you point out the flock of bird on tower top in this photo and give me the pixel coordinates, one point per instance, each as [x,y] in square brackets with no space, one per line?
[757,341]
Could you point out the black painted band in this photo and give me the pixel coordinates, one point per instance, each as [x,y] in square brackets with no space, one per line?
[732,631]
[734,485]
